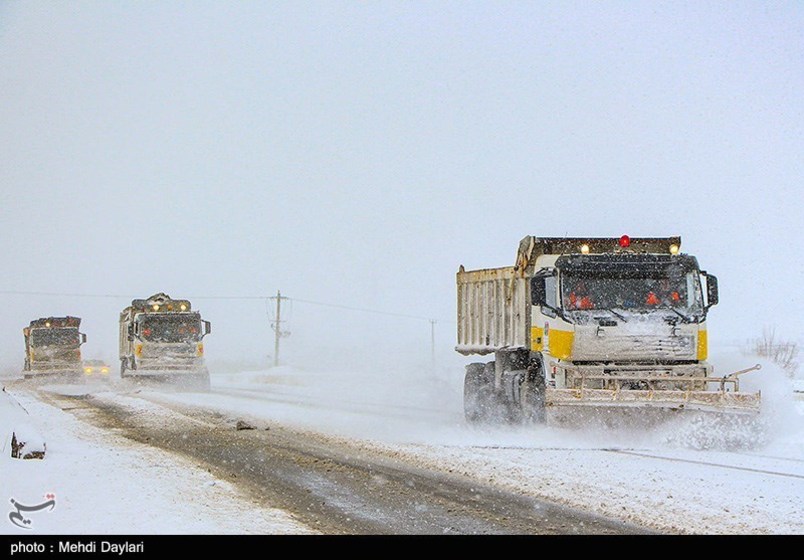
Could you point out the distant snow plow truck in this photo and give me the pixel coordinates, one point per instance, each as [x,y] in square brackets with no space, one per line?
[53,347]
[579,325]
[161,339]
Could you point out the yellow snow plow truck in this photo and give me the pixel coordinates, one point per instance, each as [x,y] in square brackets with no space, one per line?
[53,347]
[591,324]
[161,339]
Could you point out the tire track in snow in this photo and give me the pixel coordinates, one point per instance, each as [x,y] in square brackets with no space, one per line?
[705,463]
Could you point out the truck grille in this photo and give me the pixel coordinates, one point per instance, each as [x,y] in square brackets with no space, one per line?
[633,348]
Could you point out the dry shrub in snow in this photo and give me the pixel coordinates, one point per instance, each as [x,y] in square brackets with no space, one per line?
[783,353]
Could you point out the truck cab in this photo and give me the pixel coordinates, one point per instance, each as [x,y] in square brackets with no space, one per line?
[625,310]
[163,338]
[53,347]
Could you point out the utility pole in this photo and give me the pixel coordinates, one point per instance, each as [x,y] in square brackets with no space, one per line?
[276,325]
[432,342]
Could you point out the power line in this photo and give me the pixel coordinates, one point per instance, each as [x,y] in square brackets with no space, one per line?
[219,297]
[229,297]
[122,296]
[55,294]
[363,309]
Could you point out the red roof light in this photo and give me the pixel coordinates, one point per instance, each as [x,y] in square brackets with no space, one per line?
[625,241]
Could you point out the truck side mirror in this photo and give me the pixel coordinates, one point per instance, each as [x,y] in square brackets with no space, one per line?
[207,328]
[83,338]
[711,290]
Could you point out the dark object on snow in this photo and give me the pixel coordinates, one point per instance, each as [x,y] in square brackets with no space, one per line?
[24,440]
[18,450]
[241,425]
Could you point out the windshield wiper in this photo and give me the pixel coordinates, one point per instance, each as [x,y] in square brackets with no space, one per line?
[615,313]
[680,314]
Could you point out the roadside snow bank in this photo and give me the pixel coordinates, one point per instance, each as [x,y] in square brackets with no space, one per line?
[18,437]
[103,483]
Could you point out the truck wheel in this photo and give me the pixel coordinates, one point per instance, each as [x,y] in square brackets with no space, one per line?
[478,393]
[531,396]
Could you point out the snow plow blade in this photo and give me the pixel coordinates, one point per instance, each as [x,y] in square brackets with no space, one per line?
[713,401]
[50,375]
[192,380]
[673,392]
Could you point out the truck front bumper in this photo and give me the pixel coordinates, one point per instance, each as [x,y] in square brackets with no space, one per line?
[163,367]
[712,401]
[53,369]
[671,386]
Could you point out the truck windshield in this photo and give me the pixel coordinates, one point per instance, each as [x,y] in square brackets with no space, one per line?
[633,288]
[55,337]
[171,328]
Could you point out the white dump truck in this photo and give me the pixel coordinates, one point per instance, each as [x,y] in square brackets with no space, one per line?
[580,324]
[161,339]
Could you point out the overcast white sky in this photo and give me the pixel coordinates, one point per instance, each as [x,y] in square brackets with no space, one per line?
[357,153]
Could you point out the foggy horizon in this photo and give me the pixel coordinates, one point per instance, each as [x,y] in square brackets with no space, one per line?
[358,154]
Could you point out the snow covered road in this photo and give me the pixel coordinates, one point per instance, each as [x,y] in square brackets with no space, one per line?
[401,458]
[325,482]
[658,478]
[103,483]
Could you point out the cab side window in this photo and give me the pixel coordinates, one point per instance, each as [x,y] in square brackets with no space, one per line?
[551,291]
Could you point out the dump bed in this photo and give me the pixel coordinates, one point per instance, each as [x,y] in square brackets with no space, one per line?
[493,310]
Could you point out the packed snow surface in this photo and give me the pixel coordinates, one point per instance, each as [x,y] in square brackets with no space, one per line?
[687,475]
[102,483]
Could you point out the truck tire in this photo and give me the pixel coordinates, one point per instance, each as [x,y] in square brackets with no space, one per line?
[514,364]
[478,393]
[531,396]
